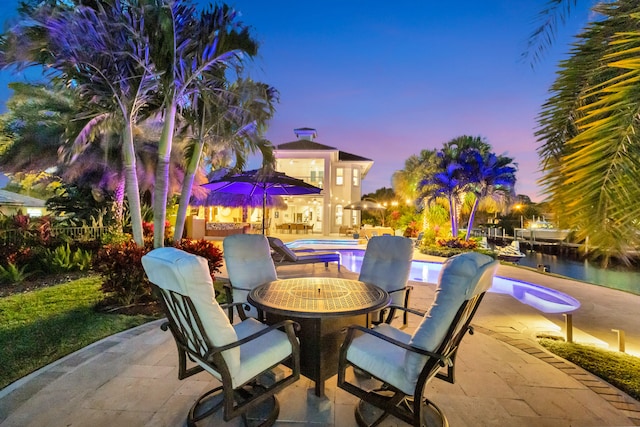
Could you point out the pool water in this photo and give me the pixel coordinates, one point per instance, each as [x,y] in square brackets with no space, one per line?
[541,298]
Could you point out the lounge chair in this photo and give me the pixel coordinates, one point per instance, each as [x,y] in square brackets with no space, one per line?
[283,255]
[403,364]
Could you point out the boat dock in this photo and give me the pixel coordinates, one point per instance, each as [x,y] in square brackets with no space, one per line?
[554,244]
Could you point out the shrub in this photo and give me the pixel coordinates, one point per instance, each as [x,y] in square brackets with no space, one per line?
[13,273]
[124,279]
[81,260]
[429,237]
[58,259]
[456,242]
[17,255]
[147,230]
[441,251]
[205,249]
[63,258]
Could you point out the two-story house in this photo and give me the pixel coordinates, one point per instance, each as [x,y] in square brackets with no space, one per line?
[337,172]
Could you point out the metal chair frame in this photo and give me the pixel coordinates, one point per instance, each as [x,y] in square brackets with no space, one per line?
[409,408]
[194,344]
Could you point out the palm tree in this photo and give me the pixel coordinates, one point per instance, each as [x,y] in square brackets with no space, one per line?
[588,130]
[189,52]
[448,182]
[100,51]
[32,128]
[226,122]
[554,13]
[406,182]
[488,175]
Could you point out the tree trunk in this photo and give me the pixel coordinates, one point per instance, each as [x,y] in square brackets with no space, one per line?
[118,202]
[454,217]
[472,217]
[161,189]
[185,194]
[131,185]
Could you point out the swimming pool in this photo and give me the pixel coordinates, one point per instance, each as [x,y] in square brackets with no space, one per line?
[541,298]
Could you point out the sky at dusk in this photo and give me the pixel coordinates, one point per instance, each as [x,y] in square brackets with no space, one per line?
[385,80]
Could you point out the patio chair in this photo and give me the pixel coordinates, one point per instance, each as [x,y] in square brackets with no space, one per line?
[418,240]
[236,355]
[387,264]
[247,258]
[283,255]
[405,363]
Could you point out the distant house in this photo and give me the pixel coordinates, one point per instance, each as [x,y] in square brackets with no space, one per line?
[337,172]
[11,203]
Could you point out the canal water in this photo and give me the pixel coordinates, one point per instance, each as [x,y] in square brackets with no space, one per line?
[616,277]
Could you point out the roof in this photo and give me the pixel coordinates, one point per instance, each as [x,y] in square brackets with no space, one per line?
[305,144]
[348,157]
[9,198]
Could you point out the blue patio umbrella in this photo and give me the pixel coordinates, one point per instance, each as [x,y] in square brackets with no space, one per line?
[263,182]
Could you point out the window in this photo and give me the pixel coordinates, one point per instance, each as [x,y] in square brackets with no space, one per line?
[338,214]
[356,177]
[339,176]
[316,177]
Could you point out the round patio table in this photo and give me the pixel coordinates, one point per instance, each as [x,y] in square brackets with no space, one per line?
[323,306]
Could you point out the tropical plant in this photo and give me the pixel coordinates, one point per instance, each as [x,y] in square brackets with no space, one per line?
[464,173]
[191,53]
[140,59]
[221,123]
[206,249]
[553,13]
[14,274]
[32,128]
[124,279]
[488,175]
[63,258]
[447,182]
[100,51]
[588,133]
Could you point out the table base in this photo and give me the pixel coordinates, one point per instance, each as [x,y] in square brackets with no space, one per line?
[320,341]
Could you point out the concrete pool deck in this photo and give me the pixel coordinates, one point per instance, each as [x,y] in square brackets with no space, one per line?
[503,376]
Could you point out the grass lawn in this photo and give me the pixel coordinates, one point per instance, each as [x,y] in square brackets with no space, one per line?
[619,369]
[41,326]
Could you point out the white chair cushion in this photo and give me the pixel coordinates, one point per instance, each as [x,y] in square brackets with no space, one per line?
[248,262]
[459,280]
[256,355]
[187,274]
[387,264]
[381,358]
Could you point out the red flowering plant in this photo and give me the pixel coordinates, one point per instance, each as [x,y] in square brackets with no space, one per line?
[206,249]
[120,265]
[21,221]
[147,231]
